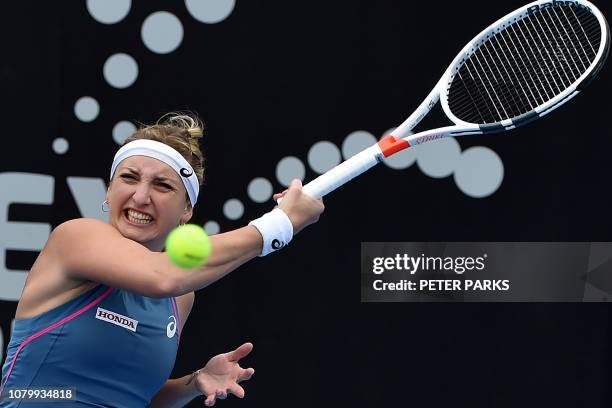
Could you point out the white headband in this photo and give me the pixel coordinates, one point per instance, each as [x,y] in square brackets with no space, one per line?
[163,152]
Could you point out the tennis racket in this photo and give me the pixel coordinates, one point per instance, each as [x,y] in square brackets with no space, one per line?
[518,69]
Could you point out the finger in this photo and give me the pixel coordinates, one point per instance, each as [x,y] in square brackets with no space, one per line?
[295,183]
[246,374]
[221,394]
[240,352]
[279,196]
[294,191]
[210,400]
[237,391]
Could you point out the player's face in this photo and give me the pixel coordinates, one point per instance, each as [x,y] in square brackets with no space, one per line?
[147,200]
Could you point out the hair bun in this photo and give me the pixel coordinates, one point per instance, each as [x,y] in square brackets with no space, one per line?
[196,132]
[189,122]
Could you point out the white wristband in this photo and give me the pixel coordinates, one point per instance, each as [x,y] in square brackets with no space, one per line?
[276,230]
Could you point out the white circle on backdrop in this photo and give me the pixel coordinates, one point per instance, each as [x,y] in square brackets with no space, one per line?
[479,172]
[260,190]
[438,158]
[290,168]
[86,109]
[233,209]
[122,130]
[355,142]
[108,11]
[212,227]
[210,11]
[323,156]
[120,70]
[402,159]
[60,145]
[162,32]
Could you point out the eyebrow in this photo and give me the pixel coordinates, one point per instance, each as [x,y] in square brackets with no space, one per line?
[156,178]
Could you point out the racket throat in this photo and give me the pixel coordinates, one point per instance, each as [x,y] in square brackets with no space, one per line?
[390,145]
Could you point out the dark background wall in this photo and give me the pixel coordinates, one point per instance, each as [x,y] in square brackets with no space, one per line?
[271,80]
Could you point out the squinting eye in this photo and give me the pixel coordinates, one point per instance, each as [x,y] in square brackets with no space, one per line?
[128,176]
[166,186]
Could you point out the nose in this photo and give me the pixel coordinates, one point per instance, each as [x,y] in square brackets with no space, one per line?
[142,194]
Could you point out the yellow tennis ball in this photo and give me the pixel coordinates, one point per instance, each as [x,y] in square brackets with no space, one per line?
[188,246]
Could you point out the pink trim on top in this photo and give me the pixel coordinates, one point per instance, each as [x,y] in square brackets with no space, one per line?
[48,329]
[178,317]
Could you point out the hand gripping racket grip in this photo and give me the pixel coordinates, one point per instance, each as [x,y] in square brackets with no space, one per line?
[344,172]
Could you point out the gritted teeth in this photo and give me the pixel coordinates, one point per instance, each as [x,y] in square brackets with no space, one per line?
[138,217]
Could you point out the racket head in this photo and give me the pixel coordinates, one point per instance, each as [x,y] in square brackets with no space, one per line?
[525,65]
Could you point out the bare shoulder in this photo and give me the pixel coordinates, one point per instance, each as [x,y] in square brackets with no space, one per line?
[47,286]
[74,240]
[79,228]
[87,244]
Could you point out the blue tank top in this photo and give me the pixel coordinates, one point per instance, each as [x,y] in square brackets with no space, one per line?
[114,347]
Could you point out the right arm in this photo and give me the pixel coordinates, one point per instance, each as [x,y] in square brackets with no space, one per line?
[93,250]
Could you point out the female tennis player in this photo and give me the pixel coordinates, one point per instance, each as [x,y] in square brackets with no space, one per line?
[102,310]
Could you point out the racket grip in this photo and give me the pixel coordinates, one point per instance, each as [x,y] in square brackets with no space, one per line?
[342,173]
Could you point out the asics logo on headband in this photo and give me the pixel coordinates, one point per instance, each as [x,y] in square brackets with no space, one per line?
[186,172]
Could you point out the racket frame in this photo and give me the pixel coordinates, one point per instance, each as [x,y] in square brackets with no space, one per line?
[402,138]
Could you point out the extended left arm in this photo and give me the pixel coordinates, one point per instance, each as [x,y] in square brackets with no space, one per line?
[216,380]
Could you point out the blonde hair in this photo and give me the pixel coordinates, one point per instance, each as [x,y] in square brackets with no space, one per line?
[182,132]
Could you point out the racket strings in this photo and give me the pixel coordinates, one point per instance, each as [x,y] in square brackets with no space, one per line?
[525,64]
